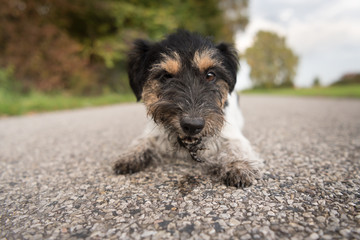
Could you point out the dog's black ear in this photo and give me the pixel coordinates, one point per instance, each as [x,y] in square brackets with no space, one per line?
[231,62]
[137,67]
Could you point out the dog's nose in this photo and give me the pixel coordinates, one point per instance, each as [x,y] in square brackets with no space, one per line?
[192,126]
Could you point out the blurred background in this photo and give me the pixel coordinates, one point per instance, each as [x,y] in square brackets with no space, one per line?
[59,54]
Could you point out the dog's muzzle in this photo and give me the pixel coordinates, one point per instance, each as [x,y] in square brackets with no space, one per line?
[192,125]
[193,145]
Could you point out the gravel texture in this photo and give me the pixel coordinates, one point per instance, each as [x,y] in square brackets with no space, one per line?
[56,180]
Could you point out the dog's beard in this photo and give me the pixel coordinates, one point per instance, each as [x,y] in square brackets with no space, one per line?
[193,145]
[188,141]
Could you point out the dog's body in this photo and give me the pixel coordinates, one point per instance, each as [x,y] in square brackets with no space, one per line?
[186,83]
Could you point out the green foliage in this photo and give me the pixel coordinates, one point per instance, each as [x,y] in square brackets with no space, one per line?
[35,102]
[272,62]
[344,91]
[79,45]
[7,80]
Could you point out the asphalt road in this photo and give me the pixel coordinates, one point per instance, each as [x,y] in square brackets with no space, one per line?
[56,180]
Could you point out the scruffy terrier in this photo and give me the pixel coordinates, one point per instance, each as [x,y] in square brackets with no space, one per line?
[186,83]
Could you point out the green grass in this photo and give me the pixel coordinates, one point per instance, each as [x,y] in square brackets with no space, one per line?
[12,104]
[348,91]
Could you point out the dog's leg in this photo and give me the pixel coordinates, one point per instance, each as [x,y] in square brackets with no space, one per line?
[136,158]
[236,164]
[140,154]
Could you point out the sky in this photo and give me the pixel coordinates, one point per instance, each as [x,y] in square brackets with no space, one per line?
[325,34]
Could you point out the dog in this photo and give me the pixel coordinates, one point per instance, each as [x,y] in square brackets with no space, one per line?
[187,85]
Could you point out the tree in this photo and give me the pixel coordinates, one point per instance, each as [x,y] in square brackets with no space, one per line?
[316,82]
[272,62]
[80,45]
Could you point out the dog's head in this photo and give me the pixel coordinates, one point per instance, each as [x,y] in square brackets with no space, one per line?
[184,82]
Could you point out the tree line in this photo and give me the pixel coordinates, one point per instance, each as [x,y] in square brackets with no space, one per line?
[79,46]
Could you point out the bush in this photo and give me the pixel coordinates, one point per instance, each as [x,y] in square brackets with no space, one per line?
[8,84]
[348,79]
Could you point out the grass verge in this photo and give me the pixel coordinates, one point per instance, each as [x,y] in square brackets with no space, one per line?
[11,104]
[14,104]
[346,91]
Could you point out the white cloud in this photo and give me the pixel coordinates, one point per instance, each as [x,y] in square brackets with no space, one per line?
[245,40]
[286,14]
[325,33]
[243,76]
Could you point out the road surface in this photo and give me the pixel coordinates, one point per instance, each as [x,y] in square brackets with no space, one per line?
[56,180]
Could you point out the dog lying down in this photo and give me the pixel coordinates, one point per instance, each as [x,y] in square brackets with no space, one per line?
[187,85]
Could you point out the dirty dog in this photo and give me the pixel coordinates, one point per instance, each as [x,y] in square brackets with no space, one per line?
[186,83]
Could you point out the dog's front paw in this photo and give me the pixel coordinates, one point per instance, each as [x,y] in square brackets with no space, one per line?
[239,175]
[133,161]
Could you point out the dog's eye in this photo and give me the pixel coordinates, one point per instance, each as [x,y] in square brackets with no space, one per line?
[210,76]
[165,77]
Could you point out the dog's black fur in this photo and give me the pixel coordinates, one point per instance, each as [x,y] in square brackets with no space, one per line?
[188,92]
[145,54]
[185,81]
